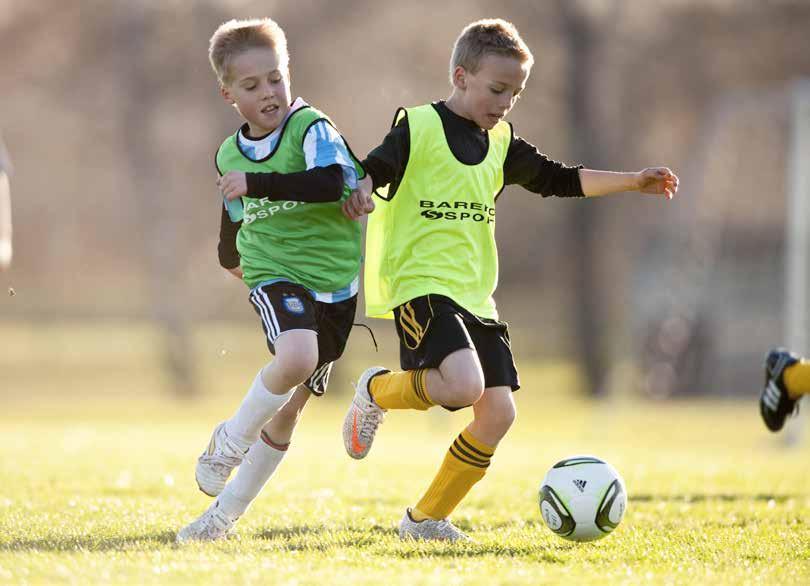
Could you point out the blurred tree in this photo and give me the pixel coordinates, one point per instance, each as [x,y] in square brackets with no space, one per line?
[113,115]
[5,209]
[143,76]
[583,35]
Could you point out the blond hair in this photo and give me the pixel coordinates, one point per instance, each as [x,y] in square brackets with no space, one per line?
[491,36]
[237,36]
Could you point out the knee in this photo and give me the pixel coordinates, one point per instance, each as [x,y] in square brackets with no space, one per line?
[498,418]
[504,416]
[466,389]
[296,367]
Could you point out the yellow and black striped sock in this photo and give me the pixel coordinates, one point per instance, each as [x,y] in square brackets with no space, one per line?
[401,390]
[797,379]
[465,464]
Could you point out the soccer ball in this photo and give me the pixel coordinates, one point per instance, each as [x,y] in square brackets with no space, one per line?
[582,498]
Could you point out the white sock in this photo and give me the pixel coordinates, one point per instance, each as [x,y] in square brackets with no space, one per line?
[258,466]
[257,408]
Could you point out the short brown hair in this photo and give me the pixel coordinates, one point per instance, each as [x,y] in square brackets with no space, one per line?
[491,36]
[237,36]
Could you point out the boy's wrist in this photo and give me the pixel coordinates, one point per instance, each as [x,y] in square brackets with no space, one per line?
[636,181]
[369,180]
[597,183]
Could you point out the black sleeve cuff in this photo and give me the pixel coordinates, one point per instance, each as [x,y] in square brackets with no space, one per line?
[375,169]
[576,184]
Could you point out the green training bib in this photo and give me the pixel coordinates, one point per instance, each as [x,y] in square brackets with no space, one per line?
[312,244]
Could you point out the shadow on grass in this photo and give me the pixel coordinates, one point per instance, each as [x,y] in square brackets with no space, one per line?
[700,498]
[539,552]
[90,542]
[382,541]
[321,538]
[373,540]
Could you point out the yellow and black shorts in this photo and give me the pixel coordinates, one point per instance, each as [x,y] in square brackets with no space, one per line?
[432,327]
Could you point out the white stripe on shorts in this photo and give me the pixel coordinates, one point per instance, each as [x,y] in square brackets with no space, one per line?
[271,311]
[272,333]
[321,375]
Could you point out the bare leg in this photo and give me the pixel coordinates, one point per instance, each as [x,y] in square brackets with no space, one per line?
[280,428]
[494,414]
[459,380]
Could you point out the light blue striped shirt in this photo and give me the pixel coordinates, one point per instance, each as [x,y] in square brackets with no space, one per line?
[323,146]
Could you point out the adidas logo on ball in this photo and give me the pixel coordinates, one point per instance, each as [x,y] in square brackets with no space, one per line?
[582,498]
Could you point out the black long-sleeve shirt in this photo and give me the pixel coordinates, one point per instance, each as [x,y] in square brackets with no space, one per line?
[524,165]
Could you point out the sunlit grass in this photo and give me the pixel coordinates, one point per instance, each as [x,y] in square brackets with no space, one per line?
[97,470]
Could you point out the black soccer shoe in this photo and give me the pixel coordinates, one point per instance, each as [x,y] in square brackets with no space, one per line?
[775,404]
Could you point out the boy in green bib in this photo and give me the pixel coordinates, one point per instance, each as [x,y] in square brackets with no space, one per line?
[283,176]
[432,264]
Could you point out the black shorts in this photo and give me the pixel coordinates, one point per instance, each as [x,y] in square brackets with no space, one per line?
[287,306]
[433,326]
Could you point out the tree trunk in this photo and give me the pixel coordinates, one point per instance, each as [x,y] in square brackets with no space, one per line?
[583,221]
[158,214]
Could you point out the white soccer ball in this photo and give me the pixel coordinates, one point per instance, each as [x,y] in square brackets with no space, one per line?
[582,498]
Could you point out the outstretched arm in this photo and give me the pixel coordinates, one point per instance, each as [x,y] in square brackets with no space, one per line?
[651,181]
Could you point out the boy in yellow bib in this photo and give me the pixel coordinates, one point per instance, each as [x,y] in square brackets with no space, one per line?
[432,264]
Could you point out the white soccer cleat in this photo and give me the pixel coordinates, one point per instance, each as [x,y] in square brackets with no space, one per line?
[217,462]
[363,418]
[212,525]
[430,530]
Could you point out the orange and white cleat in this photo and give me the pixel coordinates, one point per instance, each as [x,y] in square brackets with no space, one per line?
[363,418]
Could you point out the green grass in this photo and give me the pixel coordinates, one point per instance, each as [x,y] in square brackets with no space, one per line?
[97,475]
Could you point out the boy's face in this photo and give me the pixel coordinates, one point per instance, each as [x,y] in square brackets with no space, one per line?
[259,87]
[485,97]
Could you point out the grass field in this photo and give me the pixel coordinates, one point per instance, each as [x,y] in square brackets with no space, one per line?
[97,475]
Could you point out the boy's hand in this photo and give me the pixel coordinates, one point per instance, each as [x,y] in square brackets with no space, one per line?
[232,185]
[236,272]
[360,201]
[658,181]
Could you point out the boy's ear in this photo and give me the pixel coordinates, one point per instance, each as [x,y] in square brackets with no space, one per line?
[223,90]
[460,77]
